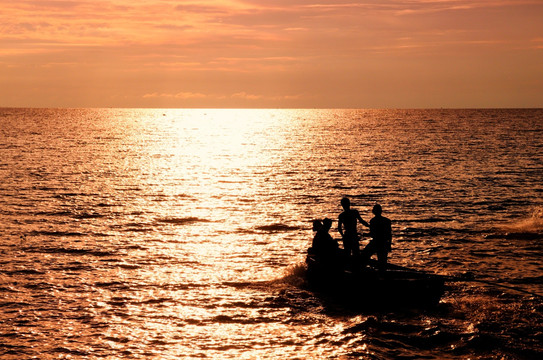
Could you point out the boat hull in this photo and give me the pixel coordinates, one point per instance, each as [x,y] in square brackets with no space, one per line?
[396,287]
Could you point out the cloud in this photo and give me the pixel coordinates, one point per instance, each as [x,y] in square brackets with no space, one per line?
[52,4]
[244,95]
[258,50]
[247,96]
[275,28]
[180,95]
[238,95]
[201,9]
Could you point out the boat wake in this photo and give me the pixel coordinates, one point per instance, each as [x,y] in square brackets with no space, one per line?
[527,228]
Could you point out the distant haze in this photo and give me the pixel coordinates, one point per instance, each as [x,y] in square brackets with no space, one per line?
[271,53]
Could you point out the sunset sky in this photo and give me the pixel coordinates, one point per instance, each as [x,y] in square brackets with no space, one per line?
[271,53]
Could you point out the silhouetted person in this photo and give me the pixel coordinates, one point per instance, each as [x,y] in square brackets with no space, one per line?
[317,225]
[347,228]
[324,246]
[381,239]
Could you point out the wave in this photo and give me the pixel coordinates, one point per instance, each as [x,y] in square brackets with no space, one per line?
[72,194]
[181,221]
[24,272]
[70,351]
[426,220]
[294,275]
[103,204]
[157,301]
[517,236]
[65,233]
[75,251]
[227,319]
[163,197]
[128,266]
[7,288]
[73,214]
[530,228]
[482,253]
[116,285]
[271,228]
[278,227]
[133,227]
[56,233]
[528,280]
[237,284]
[54,213]
[412,232]
[82,216]
[74,267]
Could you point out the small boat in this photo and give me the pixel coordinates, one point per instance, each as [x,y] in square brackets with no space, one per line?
[396,287]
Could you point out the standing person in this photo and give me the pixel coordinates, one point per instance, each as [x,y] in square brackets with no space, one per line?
[346,226]
[381,238]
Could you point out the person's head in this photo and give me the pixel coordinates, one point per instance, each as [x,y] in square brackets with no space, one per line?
[317,225]
[346,203]
[377,209]
[326,224]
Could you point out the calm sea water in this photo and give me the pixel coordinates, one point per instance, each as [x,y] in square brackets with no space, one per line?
[168,234]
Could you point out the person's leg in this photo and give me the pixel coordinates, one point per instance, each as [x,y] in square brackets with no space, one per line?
[382,256]
[356,248]
[347,247]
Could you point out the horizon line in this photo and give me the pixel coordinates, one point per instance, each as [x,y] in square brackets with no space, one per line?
[270,108]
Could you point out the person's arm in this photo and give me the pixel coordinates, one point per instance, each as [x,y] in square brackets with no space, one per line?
[339,225]
[372,229]
[389,235]
[389,231]
[361,220]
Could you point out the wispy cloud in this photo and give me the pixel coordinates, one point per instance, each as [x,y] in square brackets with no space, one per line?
[215,25]
[180,95]
[239,95]
[238,49]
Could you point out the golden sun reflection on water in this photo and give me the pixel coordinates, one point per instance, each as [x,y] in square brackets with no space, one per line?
[219,157]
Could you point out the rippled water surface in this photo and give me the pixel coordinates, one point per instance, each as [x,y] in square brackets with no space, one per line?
[167,234]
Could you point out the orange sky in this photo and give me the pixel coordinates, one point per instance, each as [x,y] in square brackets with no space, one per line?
[271,53]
